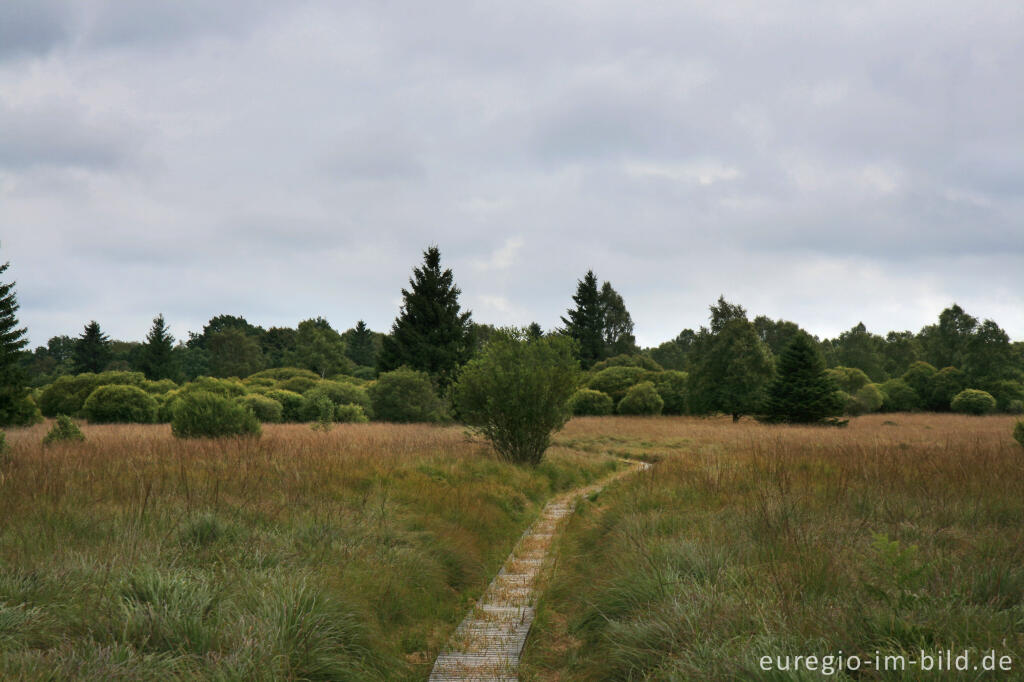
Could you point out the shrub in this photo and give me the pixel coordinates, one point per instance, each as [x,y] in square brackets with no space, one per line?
[516,392]
[1015,407]
[283,373]
[259,382]
[291,404]
[973,401]
[21,410]
[919,376]
[67,394]
[4,447]
[405,395]
[1018,433]
[1005,391]
[848,379]
[230,388]
[588,402]
[338,393]
[946,383]
[324,409]
[869,398]
[200,414]
[165,406]
[625,360]
[671,386]
[158,387]
[266,409]
[120,405]
[615,381]
[63,431]
[898,396]
[363,372]
[350,414]
[297,384]
[642,399]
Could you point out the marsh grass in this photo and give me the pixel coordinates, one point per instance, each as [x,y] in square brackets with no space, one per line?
[896,534]
[350,554]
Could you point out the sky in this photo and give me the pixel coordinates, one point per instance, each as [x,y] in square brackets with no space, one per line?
[817,161]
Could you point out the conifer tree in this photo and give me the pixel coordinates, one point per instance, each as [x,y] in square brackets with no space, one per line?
[15,407]
[431,333]
[92,349]
[360,345]
[802,392]
[586,321]
[158,361]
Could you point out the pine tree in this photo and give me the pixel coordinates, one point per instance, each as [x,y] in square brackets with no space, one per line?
[586,321]
[92,349]
[431,333]
[158,361]
[618,324]
[360,345]
[15,407]
[802,392]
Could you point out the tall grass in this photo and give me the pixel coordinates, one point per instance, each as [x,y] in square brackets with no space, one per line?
[303,555]
[896,534]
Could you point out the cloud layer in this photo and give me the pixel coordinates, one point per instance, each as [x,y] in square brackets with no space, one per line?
[815,161]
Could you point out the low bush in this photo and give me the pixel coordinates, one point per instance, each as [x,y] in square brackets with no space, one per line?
[266,409]
[120,404]
[350,414]
[1015,407]
[615,381]
[920,376]
[63,431]
[298,384]
[199,414]
[625,360]
[158,387]
[291,404]
[973,401]
[944,386]
[232,388]
[405,395]
[67,394]
[671,386]
[284,373]
[1018,433]
[363,372]
[869,398]
[898,396]
[339,393]
[588,402]
[259,382]
[19,407]
[848,379]
[642,399]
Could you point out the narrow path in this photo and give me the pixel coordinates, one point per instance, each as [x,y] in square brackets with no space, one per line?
[487,645]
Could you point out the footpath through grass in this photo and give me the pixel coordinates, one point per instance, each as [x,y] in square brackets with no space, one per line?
[898,534]
[348,555]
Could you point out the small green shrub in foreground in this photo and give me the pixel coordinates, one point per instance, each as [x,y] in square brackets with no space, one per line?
[642,399]
[120,404]
[206,415]
[63,430]
[588,402]
[1018,433]
[350,414]
[291,403]
[405,395]
[973,401]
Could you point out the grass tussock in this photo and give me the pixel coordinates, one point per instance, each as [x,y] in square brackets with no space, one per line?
[347,555]
[896,534]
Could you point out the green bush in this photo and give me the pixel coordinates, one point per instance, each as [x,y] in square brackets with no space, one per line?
[405,395]
[1015,407]
[516,391]
[642,399]
[615,381]
[21,408]
[848,379]
[284,373]
[625,360]
[973,401]
[291,404]
[200,414]
[1018,433]
[120,404]
[671,386]
[363,372]
[337,392]
[299,384]
[230,388]
[4,447]
[67,394]
[588,402]
[920,377]
[63,431]
[158,387]
[266,409]
[869,399]
[946,383]
[898,396]
[254,382]
[1005,391]
[350,414]
[165,406]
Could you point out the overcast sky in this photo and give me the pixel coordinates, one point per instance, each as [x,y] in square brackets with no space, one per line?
[823,162]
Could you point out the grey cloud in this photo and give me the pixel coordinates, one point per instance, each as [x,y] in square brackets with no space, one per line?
[32,27]
[60,135]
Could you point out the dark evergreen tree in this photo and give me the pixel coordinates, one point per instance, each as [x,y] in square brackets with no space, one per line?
[618,324]
[92,350]
[157,359]
[802,392]
[586,321]
[534,331]
[431,333]
[361,349]
[15,407]
[278,345]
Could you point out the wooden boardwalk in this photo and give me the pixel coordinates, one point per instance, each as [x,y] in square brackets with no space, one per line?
[488,643]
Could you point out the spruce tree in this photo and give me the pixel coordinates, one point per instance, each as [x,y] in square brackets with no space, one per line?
[586,322]
[92,349]
[158,361]
[15,407]
[431,333]
[802,392]
[360,345]
[618,324]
